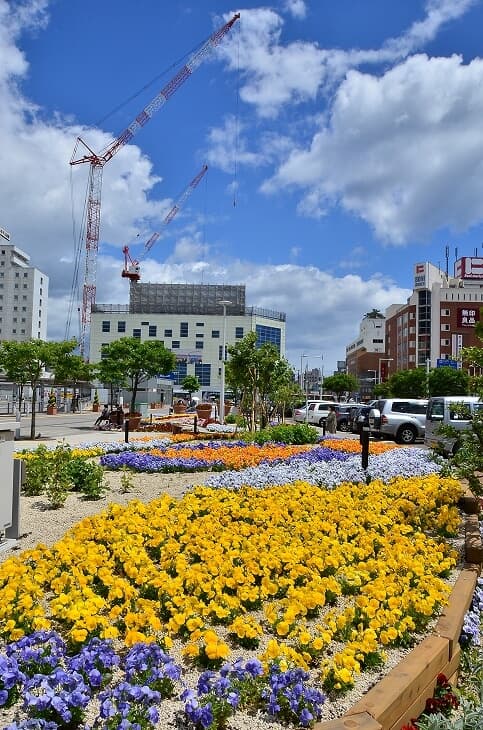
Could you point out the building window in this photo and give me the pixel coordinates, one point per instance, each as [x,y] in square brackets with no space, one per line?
[200,324]
[199,335]
[121,326]
[17,274]
[239,333]
[106,326]
[153,330]
[175,345]
[136,333]
[183,329]
[25,286]
[180,372]
[445,312]
[25,275]
[199,344]
[168,333]
[144,324]
[268,334]
[378,341]
[445,328]
[445,343]
[220,350]
[203,373]
[215,333]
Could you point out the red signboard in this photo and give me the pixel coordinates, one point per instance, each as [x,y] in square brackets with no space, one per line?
[467,316]
[469,267]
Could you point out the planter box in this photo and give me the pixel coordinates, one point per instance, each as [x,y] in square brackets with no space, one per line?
[179,408]
[96,408]
[51,410]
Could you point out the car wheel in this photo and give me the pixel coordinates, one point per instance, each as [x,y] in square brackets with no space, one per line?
[343,426]
[406,435]
[321,422]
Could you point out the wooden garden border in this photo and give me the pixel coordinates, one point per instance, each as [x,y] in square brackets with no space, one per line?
[401,695]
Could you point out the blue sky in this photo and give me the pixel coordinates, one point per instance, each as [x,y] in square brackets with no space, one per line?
[344,144]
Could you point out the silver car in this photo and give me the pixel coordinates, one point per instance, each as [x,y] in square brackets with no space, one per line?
[401,419]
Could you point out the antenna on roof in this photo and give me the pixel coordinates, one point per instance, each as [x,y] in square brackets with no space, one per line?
[447,259]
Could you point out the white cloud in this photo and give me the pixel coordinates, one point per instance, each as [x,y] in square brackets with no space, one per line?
[297,8]
[276,74]
[228,147]
[398,148]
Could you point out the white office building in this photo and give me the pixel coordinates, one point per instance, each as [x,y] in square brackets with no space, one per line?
[24,293]
[189,320]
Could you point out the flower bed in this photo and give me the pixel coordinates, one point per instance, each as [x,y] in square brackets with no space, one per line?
[313,584]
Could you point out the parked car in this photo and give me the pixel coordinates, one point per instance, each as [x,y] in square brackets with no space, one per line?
[401,419]
[454,410]
[319,411]
[342,411]
[299,413]
[359,417]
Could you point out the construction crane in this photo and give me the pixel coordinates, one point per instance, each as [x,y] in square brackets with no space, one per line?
[131,268]
[97,162]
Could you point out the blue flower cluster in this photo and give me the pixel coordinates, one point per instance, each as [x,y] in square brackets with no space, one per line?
[147,463]
[283,694]
[471,631]
[329,468]
[56,687]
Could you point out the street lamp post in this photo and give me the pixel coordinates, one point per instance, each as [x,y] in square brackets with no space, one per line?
[306,382]
[224,303]
[383,359]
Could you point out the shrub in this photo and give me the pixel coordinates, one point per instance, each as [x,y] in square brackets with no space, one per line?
[37,469]
[298,433]
[86,477]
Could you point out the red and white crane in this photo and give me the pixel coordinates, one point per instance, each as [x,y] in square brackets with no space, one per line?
[131,268]
[97,162]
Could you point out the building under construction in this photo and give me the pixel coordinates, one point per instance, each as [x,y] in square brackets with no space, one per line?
[192,320]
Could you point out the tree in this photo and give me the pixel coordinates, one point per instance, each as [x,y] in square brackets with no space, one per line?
[71,370]
[258,373]
[25,362]
[448,381]
[341,383]
[373,314]
[190,383]
[408,383]
[110,372]
[138,361]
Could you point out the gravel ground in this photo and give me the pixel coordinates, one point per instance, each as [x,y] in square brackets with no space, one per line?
[39,524]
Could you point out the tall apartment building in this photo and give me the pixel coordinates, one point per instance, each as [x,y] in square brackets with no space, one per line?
[188,319]
[24,293]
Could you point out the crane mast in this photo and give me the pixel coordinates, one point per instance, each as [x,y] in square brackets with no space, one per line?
[132,269]
[97,162]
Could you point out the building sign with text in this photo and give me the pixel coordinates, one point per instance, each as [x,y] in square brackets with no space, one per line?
[469,267]
[467,316]
[420,276]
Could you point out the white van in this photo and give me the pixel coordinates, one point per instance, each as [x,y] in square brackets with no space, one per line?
[449,410]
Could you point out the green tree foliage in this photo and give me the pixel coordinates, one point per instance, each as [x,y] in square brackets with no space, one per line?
[25,363]
[258,373]
[111,373]
[191,384]
[137,360]
[72,370]
[341,383]
[408,383]
[448,381]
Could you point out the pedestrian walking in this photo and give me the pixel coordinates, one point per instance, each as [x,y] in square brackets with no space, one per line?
[331,421]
